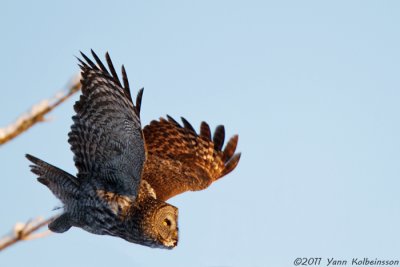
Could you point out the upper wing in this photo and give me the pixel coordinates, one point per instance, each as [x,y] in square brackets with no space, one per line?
[179,159]
[106,136]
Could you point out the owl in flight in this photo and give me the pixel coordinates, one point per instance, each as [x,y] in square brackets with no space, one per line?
[126,173]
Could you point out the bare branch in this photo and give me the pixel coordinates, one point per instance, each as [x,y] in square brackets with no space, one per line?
[37,112]
[25,231]
[29,230]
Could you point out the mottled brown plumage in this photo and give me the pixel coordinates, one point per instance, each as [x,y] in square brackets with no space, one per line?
[125,175]
[184,160]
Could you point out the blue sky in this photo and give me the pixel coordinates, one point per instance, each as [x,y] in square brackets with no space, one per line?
[311,87]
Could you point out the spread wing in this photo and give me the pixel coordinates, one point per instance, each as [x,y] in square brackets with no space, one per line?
[106,136]
[179,159]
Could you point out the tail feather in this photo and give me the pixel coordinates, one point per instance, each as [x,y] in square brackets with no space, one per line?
[62,184]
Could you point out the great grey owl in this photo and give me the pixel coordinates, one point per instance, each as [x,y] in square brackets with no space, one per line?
[125,174]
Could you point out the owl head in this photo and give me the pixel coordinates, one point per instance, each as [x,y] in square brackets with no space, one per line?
[155,224]
[165,226]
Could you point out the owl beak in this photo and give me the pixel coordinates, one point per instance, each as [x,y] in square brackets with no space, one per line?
[171,244]
[174,241]
[175,237]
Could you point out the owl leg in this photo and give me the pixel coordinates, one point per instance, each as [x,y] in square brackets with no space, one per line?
[61,224]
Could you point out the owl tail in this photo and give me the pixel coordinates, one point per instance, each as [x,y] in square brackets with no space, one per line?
[63,185]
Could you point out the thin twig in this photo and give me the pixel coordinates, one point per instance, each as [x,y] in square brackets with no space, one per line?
[25,231]
[29,230]
[37,113]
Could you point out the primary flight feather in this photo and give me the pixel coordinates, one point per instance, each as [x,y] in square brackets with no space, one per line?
[126,173]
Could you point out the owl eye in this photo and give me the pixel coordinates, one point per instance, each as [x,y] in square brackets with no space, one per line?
[167,222]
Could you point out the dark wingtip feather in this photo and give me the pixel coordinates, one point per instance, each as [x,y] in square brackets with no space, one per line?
[126,85]
[98,61]
[187,125]
[139,101]
[82,64]
[173,121]
[230,148]
[92,65]
[112,69]
[111,73]
[125,78]
[231,165]
[205,131]
[219,137]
